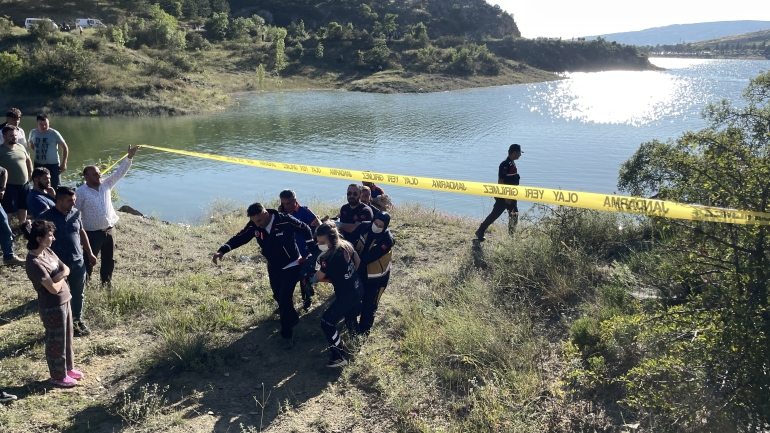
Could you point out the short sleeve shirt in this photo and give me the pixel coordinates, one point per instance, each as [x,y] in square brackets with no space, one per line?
[20,137]
[341,270]
[38,202]
[361,213]
[40,267]
[508,172]
[46,145]
[15,161]
[67,244]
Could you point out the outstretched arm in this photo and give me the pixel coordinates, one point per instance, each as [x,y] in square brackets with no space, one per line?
[122,168]
[242,238]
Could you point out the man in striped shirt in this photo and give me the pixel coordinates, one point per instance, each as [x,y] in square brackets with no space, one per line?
[94,200]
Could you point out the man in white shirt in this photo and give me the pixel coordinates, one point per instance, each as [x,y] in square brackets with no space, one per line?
[12,118]
[94,199]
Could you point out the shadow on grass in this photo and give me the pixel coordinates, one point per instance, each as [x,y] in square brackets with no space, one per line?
[252,384]
[18,312]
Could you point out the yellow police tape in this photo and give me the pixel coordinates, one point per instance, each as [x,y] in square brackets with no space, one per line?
[585,200]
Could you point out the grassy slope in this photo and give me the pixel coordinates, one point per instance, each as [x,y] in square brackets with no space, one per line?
[467,339]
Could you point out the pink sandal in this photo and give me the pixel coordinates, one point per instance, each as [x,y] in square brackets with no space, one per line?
[75,374]
[67,382]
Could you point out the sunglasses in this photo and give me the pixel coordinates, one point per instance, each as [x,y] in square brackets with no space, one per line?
[354,194]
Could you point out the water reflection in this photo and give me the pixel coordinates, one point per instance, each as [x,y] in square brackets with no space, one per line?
[575,133]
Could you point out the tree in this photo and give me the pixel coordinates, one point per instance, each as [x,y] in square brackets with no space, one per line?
[389,23]
[334,30]
[132,6]
[260,74]
[217,26]
[6,27]
[319,51]
[241,27]
[280,46]
[420,34]
[62,67]
[380,52]
[705,347]
[164,29]
[220,6]
[366,12]
[11,68]
[300,50]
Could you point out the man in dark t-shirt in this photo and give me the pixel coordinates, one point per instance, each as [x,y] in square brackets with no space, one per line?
[507,174]
[353,213]
[73,248]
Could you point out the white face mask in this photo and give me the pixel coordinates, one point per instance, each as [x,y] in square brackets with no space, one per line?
[376,229]
[323,247]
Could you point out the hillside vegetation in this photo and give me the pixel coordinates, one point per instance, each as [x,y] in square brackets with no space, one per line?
[580,321]
[176,57]
[745,45]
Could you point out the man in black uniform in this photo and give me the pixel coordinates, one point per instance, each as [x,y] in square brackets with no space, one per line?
[274,232]
[506,174]
[353,213]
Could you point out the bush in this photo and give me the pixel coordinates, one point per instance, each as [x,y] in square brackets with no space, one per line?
[62,67]
[217,26]
[43,30]
[197,42]
[11,68]
[379,53]
[6,27]
[162,69]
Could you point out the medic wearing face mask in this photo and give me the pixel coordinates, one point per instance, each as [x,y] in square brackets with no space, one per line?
[375,248]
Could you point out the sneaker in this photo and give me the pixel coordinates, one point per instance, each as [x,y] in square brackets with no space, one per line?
[13,261]
[80,329]
[6,398]
[337,362]
[75,374]
[286,343]
[67,382]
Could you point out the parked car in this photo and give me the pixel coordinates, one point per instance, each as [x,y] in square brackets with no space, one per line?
[88,23]
[29,22]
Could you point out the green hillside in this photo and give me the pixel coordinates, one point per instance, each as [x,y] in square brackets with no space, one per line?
[186,56]
[753,45]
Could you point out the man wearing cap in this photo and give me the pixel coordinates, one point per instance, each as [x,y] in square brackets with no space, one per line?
[507,174]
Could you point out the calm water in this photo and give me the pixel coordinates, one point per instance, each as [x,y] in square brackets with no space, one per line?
[574,133]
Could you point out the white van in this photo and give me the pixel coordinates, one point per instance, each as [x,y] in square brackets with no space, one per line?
[30,21]
[88,23]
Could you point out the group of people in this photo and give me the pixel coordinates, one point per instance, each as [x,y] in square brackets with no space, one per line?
[352,251]
[66,230]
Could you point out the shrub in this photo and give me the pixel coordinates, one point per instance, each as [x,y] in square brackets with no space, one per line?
[319,51]
[380,52]
[43,30]
[6,27]
[162,69]
[11,68]
[61,67]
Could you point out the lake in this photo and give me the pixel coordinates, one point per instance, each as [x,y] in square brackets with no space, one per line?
[575,133]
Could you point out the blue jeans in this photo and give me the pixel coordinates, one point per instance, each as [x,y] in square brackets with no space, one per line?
[6,236]
[77,282]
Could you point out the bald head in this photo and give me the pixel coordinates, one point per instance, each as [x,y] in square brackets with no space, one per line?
[92,176]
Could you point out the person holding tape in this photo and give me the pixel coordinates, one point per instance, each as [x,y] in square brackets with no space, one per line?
[375,248]
[94,200]
[275,232]
[507,174]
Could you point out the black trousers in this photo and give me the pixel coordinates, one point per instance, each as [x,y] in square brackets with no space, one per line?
[497,210]
[283,282]
[346,305]
[104,243]
[373,289]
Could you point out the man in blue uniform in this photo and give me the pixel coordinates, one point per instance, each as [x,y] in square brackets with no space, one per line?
[291,206]
[274,232]
[507,174]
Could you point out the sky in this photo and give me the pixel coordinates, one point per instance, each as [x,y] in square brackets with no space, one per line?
[567,19]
